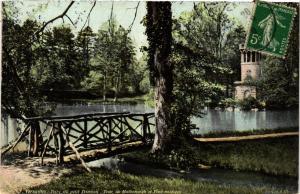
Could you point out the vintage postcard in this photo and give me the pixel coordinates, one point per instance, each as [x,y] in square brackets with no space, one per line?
[149,97]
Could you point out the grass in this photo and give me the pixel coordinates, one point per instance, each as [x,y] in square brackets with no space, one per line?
[103,181]
[247,132]
[275,156]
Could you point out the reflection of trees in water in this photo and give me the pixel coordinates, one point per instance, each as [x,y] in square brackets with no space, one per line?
[64,110]
[247,120]
[216,120]
[4,129]
[222,120]
[261,119]
[10,129]
[231,118]
[275,119]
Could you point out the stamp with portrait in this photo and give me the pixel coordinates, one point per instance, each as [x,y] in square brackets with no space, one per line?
[270,28]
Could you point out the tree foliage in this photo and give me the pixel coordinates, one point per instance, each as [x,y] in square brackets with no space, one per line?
[204,56]
[209,29]
[112,58]
[20,53]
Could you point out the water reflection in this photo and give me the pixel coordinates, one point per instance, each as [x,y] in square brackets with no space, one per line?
[66,110]
[217,120]
[9,129]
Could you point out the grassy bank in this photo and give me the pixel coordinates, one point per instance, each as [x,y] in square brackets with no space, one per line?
[247,132]
[275,156]
[103,181]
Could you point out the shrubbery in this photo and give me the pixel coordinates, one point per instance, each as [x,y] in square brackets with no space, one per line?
[227,102]
[245,104]
[179,156]
[250,103]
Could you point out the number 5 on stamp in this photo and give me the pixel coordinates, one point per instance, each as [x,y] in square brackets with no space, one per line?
[270,28]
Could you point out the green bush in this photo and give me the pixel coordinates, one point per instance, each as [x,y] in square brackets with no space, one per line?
[149,98]
[178,158]
[227,102]
[250,103]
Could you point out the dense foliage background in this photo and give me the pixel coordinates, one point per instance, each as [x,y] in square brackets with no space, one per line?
[205,56]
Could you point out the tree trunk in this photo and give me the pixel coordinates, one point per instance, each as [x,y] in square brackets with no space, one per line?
[160,20]
[104,87]
[117,86]
[137,88]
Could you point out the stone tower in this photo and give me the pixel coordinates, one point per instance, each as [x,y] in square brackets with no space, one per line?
[250,70]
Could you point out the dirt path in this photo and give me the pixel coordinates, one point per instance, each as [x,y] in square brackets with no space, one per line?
[246,137]
[23,174]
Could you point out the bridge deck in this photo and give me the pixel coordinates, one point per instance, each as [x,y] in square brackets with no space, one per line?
[95,154]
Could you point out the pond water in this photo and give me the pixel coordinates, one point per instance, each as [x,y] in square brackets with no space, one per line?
[220,176]
[213,120]
[218,120]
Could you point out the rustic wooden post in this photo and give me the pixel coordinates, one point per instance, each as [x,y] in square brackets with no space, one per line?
[55,131]
[71,145]
[85,141]
[46,145]
[61,144]
[121,130]
[29,141]
[145,126]
[109,134]
[36,137]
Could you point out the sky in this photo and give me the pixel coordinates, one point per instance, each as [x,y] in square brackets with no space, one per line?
[123,10]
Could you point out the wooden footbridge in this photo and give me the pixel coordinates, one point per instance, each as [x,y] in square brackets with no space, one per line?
[63,136]
[88,137]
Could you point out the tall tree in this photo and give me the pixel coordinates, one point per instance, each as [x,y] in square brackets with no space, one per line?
[85,41]
[208,27]
[59,66]
[159,35]
[20,96]
[112,56]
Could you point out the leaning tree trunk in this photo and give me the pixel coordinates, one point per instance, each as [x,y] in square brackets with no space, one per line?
[159,29]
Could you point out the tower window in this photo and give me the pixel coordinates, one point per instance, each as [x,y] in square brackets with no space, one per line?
[248,56]
[253,56]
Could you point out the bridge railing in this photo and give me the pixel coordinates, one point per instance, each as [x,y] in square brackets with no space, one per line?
[64,134]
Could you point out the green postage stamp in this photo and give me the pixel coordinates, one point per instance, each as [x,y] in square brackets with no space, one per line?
[270,28]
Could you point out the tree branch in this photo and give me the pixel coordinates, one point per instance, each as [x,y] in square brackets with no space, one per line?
[110,19]
[70,20]
[196,10]
[57,17]
[136,9]
[89,15]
